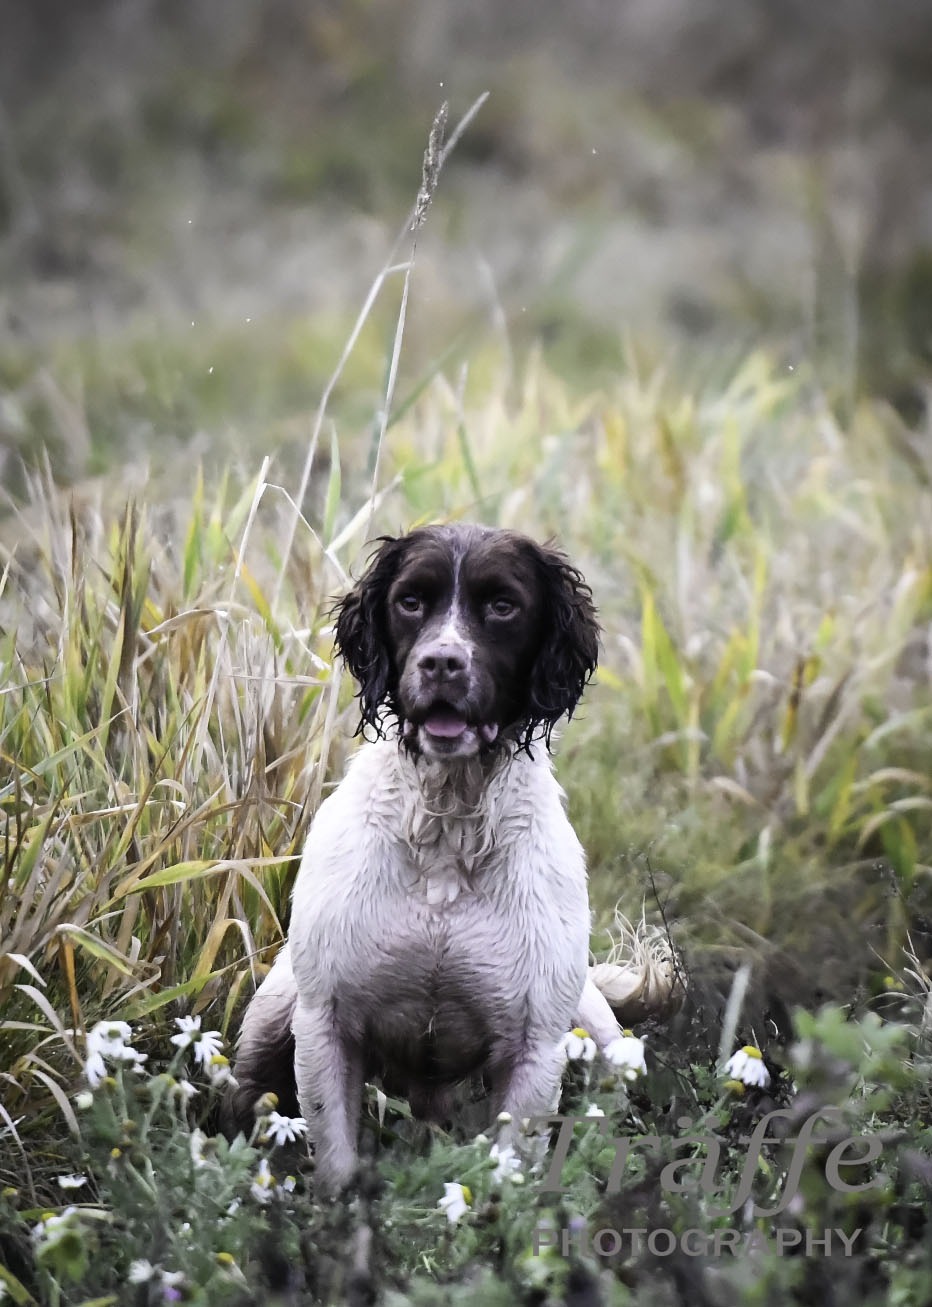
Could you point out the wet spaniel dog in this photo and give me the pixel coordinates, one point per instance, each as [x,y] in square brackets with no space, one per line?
[440,922]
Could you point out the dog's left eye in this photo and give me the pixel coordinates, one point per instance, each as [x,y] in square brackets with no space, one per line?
[409,603]
[501,607]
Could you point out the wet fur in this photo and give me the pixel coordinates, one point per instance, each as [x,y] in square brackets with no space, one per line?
[440,922]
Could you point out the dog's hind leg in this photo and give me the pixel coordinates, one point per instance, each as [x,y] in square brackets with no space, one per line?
[264,1060]
[595,1015]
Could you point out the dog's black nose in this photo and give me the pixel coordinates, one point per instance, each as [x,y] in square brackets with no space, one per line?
[440,662]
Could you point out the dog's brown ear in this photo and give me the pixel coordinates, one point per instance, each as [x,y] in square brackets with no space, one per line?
[569,652]
[361,634]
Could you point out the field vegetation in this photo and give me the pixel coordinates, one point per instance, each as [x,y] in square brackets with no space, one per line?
[750,771]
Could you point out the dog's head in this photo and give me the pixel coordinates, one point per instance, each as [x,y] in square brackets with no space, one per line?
[470,636]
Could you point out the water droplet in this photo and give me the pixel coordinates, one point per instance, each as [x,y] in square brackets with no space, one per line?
[210,369]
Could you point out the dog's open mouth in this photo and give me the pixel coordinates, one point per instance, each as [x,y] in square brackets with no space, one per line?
[444,722]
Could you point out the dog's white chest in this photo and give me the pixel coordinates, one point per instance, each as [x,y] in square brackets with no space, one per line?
[442,857]
[407,895]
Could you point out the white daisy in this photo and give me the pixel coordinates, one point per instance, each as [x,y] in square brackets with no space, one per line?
[218,1068]
[284,1129]
[108,1039]
[578,1045]
[507,1163]
[263,1186]
[456,1201]
[95,1069]
[206,1043]
[196,1144]
[747,1065]
[188,1028]
[71,1181]
[594,1110]
[54,1227]
[626,1052]
[140,1271]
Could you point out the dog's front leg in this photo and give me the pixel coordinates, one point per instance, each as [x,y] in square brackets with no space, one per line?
[329,1073]
[531,1086]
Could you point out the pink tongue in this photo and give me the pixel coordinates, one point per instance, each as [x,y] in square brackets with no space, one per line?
[446,723]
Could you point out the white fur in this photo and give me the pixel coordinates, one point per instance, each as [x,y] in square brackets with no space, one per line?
[448,900]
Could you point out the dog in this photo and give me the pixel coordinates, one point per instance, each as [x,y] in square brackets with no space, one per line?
[440,920]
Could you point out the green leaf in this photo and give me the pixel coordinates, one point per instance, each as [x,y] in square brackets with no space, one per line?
[98,948]
[17,1292]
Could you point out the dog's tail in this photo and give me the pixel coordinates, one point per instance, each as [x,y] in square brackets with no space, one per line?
[643,975]
[264,1062]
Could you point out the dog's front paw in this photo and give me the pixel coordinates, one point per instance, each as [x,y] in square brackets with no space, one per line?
[334,1173]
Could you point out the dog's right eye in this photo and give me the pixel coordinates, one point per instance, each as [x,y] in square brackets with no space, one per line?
[410,603]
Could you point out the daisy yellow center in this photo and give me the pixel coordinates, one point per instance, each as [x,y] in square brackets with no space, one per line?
[580,1033]
[750,1051]
[467,1195]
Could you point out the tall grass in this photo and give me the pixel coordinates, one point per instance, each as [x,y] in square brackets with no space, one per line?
[753,760]
[765,587]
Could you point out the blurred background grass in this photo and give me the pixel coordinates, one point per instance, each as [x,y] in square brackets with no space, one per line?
[705,175]
[672,303]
